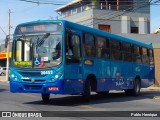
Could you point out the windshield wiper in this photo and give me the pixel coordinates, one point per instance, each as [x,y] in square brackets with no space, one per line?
[41,41]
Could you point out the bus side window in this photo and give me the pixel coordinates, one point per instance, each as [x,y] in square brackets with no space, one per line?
[137,54]
[151,58]
[76,46]
[73,54]
[89,44]
[126,52]
[115,47]
[102,50]
[145,57]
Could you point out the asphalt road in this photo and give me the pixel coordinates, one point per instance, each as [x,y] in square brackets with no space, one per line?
[115,101]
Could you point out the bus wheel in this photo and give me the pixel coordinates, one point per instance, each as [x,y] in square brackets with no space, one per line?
[87,91]
[45,97]
[136,89]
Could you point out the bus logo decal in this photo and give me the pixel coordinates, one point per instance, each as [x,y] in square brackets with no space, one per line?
[37,61]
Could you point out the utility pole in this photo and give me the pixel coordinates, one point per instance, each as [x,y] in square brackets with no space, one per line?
[8,46]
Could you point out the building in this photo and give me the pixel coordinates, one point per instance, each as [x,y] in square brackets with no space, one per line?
[115,16]
[128,18]
[3,54]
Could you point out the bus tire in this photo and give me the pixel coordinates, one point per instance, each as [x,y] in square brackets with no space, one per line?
[87,91]
[45,97]
[136,89]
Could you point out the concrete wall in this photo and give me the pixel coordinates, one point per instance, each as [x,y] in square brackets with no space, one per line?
[115,19]
[84,18]
[93,17]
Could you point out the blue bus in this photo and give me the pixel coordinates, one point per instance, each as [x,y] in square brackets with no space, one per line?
[61,57]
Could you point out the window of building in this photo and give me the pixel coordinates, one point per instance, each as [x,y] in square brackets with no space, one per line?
[74,11]
[134,30]
[68,13]
[64,14]
[112,4]
[126,4]
[106,28]
[79,10]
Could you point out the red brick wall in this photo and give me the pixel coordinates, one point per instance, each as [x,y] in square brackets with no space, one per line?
[157,66]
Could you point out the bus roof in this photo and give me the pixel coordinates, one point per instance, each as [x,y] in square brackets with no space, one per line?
[94,31]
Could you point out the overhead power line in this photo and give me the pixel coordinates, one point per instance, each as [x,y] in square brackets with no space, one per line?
[3,31]
[53,2]
[39,2]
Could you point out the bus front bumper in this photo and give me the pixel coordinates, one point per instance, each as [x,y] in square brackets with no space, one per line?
[22,87]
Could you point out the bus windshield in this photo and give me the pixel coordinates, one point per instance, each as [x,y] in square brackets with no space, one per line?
[37,51]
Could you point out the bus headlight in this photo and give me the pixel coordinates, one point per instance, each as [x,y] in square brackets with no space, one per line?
[14,77]
[57,76]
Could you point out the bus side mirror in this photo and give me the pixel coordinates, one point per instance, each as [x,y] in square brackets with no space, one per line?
[6,41]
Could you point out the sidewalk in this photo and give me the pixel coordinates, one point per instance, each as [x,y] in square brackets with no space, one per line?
[3,79]
[151,88]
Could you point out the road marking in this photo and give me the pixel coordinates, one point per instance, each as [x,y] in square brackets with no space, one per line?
[28,95]
[91,107]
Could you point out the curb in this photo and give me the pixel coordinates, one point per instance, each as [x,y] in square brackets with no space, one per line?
[151,88]
[4,81]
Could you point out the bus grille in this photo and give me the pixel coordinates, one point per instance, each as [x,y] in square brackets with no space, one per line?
[35,80]
[31,74]
[32,87]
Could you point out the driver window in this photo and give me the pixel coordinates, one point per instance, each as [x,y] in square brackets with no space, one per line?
[73,54]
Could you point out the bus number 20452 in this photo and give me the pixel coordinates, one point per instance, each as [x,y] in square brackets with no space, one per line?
[46,72]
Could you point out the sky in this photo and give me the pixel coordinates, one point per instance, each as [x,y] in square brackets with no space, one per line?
[24,12]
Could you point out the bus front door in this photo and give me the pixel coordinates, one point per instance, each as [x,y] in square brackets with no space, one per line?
[73,83]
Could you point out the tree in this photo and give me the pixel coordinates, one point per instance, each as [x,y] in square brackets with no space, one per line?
[157,31]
